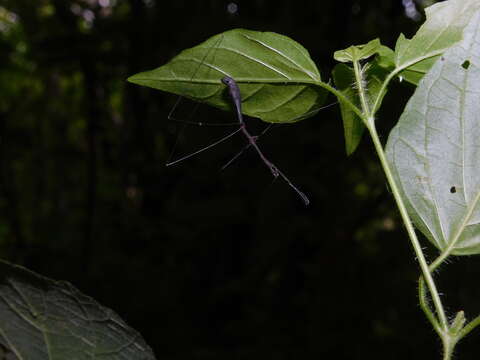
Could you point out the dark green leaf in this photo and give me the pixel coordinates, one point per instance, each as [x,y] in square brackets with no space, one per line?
[353,127]
[45,319]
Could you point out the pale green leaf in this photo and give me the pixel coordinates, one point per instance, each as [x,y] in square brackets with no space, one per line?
[43,319]
[385,58]
[434,150]
[276,75]
[442,29]
[358,52]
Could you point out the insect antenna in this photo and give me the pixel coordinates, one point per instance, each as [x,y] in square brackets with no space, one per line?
[180,99]
[204,148]
[191,114]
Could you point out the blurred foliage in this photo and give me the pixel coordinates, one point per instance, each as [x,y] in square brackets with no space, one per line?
[206,264]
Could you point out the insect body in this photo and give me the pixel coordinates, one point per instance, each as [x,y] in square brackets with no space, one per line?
[234,92]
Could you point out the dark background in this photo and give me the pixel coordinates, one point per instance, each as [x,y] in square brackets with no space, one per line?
[208,264]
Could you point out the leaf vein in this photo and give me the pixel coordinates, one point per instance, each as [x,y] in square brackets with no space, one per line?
[298,66]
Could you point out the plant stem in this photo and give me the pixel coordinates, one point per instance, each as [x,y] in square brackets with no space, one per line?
[341,98]
[398,69]
[369,122]
[362,92]
[410,230]
[448,346]
[442,328]
[469,327]
[422,297]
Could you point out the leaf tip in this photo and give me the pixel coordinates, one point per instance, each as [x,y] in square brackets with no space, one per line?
[134,79]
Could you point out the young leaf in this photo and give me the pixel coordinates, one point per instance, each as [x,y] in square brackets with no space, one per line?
[458,323]
[276,75]
[353,127]
[344,78]
[357,52]
[434,149]
[385,58]
[442,29]
[46,319]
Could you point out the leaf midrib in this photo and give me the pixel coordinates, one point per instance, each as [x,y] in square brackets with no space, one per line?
[238,80]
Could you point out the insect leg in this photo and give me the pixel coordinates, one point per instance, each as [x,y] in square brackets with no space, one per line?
[203,149]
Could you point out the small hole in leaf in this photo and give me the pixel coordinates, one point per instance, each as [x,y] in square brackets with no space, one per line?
[453,189]
[466,64]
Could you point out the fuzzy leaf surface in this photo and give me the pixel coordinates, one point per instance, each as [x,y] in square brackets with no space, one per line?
[434,150]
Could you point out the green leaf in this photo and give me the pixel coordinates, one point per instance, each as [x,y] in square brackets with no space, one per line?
[434,149]
[357,52]
[385,58]
[458,323]
[344,78]
[443,28]
[46,319]
[277,78]
[353,127]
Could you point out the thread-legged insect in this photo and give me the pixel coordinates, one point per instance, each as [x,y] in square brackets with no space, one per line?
[208,89]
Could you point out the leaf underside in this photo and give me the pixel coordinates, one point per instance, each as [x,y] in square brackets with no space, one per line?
[442,29]
[275,74]
[434,150]
[46,319]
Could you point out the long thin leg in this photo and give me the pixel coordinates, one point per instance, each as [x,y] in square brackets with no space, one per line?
[256,137]
[275,171]
[235,157]
[203,149]
[197,68]
[234,91]
[253,142]
[202,123]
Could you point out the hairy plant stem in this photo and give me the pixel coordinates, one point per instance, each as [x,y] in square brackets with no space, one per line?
[362,92]
[448,346]
[368,116]
[441,326]
[411,232]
